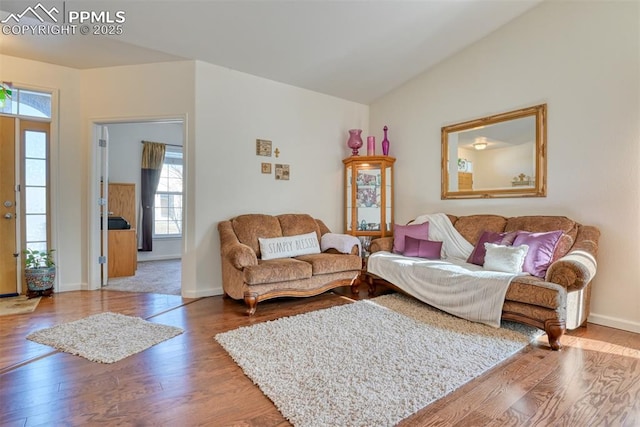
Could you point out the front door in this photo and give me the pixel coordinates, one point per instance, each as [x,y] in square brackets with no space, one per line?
[8,198]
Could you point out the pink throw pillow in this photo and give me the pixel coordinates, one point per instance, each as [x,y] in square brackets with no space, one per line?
[422,248]
[541,249]
[478,254]
[418,231]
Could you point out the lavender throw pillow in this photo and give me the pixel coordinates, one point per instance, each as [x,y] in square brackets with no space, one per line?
[418,231]
[541,249]
[478,254]
[422,248]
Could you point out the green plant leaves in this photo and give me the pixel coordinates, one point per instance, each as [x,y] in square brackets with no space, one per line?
[38,259]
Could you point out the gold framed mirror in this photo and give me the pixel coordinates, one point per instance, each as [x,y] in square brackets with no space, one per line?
[504,155]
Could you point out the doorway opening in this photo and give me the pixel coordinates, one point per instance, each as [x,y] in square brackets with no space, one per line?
[128,261]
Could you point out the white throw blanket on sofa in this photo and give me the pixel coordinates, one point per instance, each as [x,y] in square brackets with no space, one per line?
[450,284]
[441,230]
[341,242]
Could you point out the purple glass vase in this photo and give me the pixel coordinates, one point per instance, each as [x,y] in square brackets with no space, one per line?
[385,142]
[355,141]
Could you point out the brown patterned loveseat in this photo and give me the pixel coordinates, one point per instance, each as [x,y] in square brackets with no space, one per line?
[245,275]
[561,299]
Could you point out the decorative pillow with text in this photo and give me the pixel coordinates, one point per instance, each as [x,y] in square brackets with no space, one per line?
[289,246]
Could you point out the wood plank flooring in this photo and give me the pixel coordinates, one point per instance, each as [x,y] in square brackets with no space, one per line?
[190,380]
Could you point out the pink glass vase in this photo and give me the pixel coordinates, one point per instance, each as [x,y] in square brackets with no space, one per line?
[355,141]
[371,146]
[385,142]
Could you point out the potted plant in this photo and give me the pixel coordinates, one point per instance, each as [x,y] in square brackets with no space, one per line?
[39,272]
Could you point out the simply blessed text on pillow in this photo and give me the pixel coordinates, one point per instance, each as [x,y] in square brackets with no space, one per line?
[289,246]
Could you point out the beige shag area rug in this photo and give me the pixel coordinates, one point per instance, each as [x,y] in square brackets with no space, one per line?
[18,305]
[370,363]
[106,337]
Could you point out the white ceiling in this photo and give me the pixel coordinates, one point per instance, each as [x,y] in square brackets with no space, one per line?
[356,50]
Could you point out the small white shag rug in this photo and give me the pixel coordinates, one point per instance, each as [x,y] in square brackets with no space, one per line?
[369,363]
[105,337]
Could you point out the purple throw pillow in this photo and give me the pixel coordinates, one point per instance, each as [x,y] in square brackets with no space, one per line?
[422,248]
[479,251]
[541,249]
[418,231]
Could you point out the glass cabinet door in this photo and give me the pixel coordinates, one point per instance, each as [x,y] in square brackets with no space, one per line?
[369,195]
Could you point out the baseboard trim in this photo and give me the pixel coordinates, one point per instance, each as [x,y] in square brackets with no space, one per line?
[159,258]
[614,322]
[201,293]
[68,287]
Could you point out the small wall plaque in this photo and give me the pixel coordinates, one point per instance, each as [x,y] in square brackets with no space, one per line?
[266,168]
[263,147]
[282,172]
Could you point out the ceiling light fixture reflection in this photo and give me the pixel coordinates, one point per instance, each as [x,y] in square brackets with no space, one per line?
[480,143]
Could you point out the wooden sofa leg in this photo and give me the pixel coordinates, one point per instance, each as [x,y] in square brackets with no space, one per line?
[251,300]
[554,329]
[355,286]
[372,286]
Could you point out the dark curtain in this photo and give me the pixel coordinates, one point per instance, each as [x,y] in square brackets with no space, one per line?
[152,160]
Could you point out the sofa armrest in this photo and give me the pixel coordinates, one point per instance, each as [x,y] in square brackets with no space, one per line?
[241,256]
[576,269]
[238,254]
[381,244]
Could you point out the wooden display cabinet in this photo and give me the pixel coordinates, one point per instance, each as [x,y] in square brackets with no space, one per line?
[368,187]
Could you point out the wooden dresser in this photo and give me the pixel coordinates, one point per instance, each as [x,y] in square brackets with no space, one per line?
[123,244]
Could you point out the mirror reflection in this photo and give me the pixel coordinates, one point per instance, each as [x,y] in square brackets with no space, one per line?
[497,156]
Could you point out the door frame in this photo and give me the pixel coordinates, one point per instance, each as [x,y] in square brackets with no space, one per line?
[24,125]
[16,225]
[54,174]
[93,220]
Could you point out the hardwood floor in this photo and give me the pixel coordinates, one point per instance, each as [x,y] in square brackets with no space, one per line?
[190,380]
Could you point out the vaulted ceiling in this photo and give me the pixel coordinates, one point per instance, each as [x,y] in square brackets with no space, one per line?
[356,50]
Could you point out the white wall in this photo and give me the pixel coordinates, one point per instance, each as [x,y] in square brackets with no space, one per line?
[125,157]
[68,166]
[582,59]
[497,167]
[145,92]
[309,129]
[223,176]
